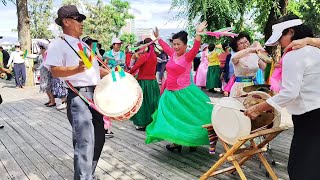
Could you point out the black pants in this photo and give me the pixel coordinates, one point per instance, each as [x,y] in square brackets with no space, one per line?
[304,155]
[87,133]
[20,74]
[196,63]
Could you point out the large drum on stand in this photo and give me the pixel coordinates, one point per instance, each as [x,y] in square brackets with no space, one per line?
[230,123]
[118,95]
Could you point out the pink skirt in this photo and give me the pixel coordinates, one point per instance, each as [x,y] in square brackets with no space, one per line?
[230,83]
[201,75]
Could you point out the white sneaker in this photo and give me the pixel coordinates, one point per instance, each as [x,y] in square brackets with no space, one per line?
[62,106]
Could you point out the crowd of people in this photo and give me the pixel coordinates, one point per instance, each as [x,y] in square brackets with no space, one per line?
[172,96]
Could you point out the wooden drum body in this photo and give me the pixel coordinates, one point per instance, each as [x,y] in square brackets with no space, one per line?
[230,123]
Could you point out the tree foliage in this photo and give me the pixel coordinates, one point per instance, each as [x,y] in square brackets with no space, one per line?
[218,13]
[104,21]
[128,39]
[309,11]
[81,4]
[260,14]
[40,17]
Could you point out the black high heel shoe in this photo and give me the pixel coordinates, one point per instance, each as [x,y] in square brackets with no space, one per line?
[192,149]
[51,105]
[173,147]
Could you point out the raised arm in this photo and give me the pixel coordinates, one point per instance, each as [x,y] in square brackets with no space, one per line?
[166,48]
[240,54]
[141,60]
[197,42]
[194,51]
[297,44]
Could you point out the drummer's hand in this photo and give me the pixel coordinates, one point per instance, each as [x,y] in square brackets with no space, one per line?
[81,68]
[252,112]
[156,32]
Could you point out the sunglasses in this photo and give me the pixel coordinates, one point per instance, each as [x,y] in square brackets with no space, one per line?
[77,18]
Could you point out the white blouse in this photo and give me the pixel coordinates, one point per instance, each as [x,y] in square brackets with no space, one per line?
[300,91]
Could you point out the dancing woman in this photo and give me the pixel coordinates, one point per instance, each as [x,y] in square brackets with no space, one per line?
[246,63]
[201,74]
[146,64]
[183,107]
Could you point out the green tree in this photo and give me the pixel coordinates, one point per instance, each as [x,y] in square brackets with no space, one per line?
[128,39]
[40,14]
[218,13]
[80,4]
[309,11]
[104,21]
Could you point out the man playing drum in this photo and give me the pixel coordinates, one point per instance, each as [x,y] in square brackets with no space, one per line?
[87,124]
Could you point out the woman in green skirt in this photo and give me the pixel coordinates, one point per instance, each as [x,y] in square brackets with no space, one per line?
[146,64]
[213,74]
[183,107]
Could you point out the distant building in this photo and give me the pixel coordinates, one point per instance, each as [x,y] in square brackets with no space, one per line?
[143,33]
[129,27]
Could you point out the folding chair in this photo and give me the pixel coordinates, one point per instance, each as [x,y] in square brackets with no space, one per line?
[238,155]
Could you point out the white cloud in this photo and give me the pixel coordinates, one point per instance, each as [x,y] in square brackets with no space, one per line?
[157,13]
[8,20]
[147,15]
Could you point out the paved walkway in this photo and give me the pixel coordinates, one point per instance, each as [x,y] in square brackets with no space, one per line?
[36,144]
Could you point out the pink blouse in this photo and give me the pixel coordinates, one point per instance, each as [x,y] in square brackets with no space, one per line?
[178,68]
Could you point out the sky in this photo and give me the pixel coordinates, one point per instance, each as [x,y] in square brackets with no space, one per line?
[148,14]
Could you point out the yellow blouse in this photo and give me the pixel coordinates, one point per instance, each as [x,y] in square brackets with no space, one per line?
[213,59]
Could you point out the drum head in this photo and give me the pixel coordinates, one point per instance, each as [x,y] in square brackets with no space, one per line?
[117,98]
[230,124]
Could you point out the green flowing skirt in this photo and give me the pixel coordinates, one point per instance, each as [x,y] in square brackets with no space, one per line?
[213,77]
[180,117]
[151,95]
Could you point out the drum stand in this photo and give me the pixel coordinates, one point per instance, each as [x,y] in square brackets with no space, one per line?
[238,155]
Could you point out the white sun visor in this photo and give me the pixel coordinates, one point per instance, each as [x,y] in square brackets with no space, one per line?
[277,30]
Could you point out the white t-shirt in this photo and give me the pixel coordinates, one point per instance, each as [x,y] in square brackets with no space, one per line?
[59,53]
[16,57]
[300,82]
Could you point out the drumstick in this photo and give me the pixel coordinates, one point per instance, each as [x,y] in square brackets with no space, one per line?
[241,110]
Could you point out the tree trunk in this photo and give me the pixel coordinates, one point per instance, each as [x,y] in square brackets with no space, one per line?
[23,24]
[24,35]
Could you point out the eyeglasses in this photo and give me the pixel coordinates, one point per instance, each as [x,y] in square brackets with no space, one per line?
[77,18]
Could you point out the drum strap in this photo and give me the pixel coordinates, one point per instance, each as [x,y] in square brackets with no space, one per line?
[97,57]
[246,79]
[106,120]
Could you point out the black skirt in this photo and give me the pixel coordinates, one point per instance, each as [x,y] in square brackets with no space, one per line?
[304,155]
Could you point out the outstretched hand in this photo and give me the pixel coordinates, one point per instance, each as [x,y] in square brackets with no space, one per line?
[296,44]
[201,27]
[156,32]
